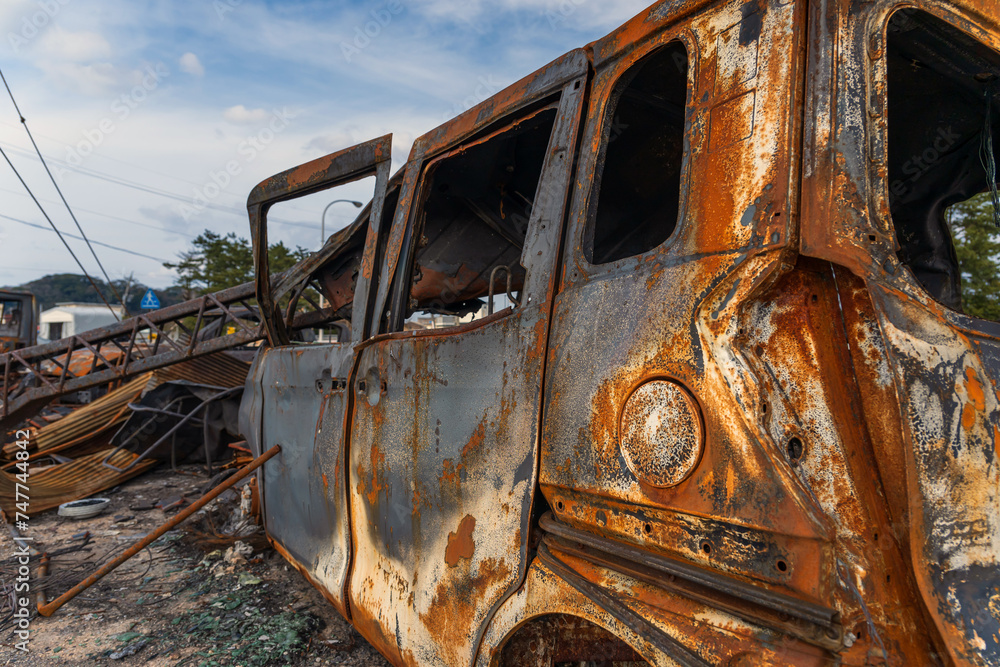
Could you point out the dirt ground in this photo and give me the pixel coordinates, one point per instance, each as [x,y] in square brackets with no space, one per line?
[179,602]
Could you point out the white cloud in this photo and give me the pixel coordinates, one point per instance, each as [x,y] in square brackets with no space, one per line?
[94,80]
[74,47]
[240,115]
[422,66]
[191,64]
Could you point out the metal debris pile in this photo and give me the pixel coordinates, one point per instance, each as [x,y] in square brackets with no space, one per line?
[186,411]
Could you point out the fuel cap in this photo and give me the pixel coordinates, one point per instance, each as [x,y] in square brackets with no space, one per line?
[661,433]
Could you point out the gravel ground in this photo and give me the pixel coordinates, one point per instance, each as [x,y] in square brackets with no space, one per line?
[176,603]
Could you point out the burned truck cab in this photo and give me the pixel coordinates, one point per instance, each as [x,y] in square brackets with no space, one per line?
[677,351]
[18,320]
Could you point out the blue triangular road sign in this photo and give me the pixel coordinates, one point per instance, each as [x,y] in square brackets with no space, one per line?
[149,301]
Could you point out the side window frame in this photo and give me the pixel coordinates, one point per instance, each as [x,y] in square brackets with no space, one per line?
[600,125]
[419,177]
[877,112]
[372,158]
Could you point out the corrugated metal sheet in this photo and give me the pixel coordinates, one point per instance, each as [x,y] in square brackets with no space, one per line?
[219,370]
[86,435]
[51,486]
[89,427]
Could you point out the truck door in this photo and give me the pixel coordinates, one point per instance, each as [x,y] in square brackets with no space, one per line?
[297,394]
[685,188]
[444,439]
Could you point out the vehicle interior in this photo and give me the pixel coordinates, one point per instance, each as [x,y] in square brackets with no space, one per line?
[944,136]
[473,217]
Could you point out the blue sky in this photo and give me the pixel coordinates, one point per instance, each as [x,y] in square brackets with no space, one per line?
[141,105]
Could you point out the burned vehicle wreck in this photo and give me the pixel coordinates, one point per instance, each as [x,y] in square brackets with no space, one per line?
[706,393]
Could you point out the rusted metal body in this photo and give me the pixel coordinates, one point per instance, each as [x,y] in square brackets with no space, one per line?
[757,440]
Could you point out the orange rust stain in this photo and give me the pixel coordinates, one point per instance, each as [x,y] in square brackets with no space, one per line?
[975,389]
[452,613]
[968,417]
[452,473]
[326,484]
[420,500]
[378,462]
[460,544]
[476,441]
[308,171]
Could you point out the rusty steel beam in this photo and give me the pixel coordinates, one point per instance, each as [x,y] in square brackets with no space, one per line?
[52,607]
[18,399]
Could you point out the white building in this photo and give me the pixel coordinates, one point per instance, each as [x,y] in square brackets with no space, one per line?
[69,319]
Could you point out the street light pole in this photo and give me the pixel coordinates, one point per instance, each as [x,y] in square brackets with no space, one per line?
[322,220]
[322,240]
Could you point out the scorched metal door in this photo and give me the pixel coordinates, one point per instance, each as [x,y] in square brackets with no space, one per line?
[305,500]
[443,454]
[652,433]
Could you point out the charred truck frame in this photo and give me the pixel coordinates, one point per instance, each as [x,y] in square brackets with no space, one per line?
[709,396]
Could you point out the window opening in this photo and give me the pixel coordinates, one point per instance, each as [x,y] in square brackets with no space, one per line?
[638,183]
[472,222]
[10,318]
[942,118]
[336,279]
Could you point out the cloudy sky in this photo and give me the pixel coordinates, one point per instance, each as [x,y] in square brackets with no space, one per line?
[140,106]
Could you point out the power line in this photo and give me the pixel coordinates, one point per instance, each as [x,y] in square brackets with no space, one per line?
[58,233]
[110,217]
[148,189]
[24,123]
[128,164]
[240,200]
[74,236]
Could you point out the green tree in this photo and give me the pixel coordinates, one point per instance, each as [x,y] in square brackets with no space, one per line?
[977,243]
[216,262]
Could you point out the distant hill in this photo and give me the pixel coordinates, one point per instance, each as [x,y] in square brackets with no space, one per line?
[72,287]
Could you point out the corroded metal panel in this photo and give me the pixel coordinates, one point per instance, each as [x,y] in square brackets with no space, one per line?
[740,510]
[803,337]
[699,627]
[442,472]
[929,371]
[304,491]
[945,371]
[444,450]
